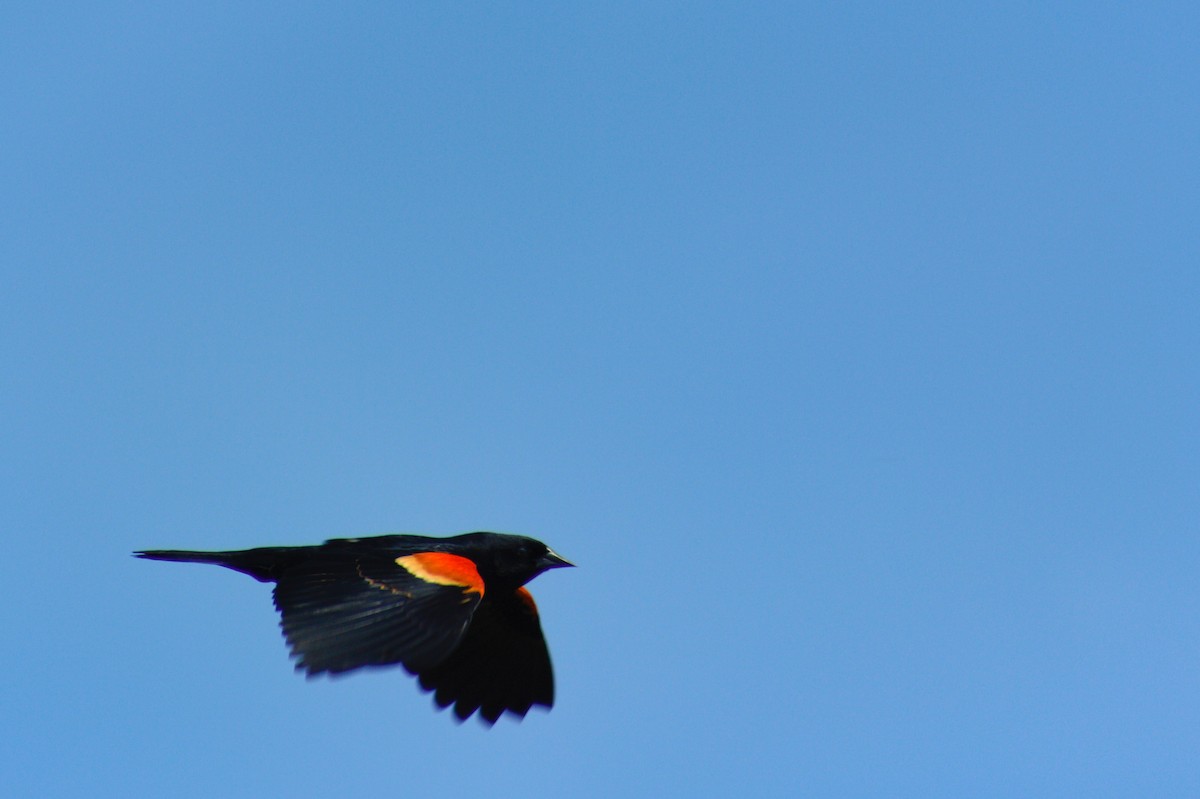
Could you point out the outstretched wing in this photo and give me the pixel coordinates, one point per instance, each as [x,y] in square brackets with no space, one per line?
[501,664]
[340,614]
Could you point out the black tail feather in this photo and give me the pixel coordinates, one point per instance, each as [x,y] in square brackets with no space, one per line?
[261,564]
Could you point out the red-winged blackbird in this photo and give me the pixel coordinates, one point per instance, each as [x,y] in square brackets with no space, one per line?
[450,610]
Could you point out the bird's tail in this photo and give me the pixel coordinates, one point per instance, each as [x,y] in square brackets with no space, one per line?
[261,564]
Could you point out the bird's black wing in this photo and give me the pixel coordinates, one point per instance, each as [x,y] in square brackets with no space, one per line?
[501,664]
[343,612]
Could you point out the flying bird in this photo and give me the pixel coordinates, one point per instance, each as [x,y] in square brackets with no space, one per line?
[453,611]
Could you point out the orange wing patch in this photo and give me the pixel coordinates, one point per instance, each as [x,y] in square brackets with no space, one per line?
[443,568]
[526,597]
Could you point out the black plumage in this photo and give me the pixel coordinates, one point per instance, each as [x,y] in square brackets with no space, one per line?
[452,611]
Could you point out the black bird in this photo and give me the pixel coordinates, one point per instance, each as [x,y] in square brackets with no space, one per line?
[452,611]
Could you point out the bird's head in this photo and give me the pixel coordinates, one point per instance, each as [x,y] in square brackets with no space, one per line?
[512,559]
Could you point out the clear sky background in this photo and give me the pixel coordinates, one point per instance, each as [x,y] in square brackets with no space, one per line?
[852,351]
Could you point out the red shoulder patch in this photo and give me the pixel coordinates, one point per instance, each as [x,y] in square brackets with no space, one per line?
[443,568]
[526,597]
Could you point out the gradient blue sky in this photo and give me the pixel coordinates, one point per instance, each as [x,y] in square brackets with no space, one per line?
[851,350]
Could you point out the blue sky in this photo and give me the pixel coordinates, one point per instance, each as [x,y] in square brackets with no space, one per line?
[849,349]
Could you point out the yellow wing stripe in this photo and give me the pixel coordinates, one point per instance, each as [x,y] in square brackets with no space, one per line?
[442,568]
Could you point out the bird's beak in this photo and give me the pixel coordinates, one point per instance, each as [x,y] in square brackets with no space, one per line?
[553,560]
